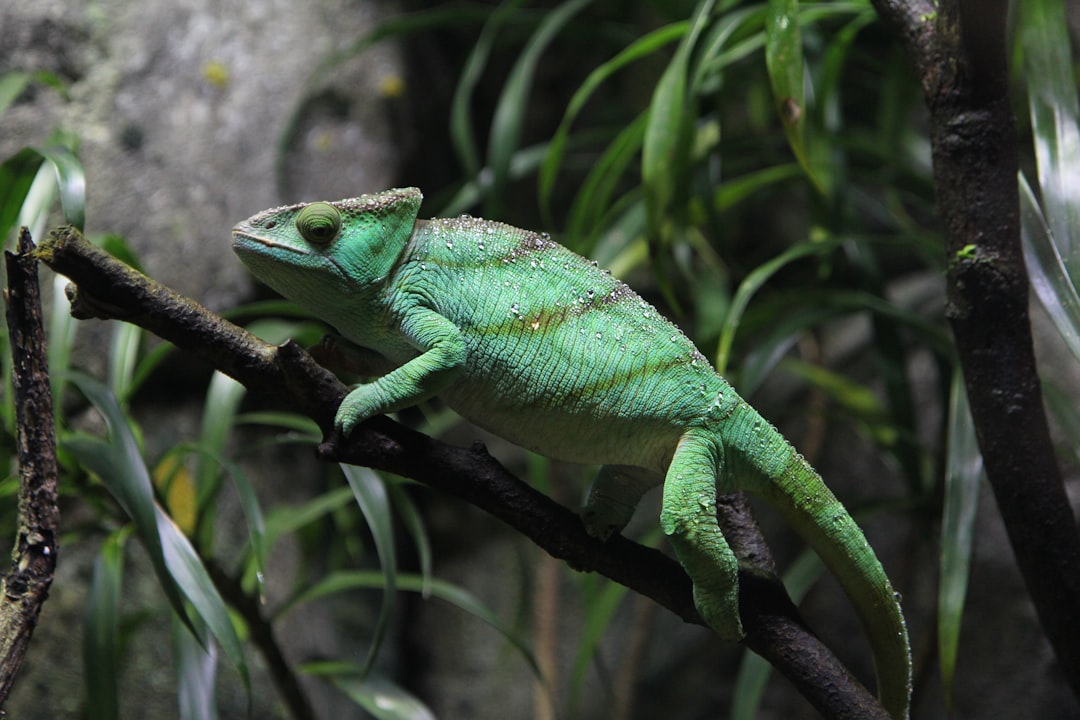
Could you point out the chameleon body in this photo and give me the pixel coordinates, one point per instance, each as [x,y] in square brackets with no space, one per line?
[540,346]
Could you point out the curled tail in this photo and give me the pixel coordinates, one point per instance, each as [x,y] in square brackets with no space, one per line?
[799,494]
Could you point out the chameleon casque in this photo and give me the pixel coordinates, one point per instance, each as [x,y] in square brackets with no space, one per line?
[540,346]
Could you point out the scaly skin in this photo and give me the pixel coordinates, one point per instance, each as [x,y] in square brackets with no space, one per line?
[538,345]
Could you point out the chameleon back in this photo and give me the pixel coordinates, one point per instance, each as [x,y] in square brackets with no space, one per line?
[556,344]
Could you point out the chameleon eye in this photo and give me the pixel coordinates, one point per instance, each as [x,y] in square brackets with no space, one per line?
[319,223]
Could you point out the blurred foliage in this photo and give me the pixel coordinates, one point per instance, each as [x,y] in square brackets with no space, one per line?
[760,170]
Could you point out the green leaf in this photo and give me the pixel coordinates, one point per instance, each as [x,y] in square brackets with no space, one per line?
[752,283]
[370,493]
[1066,417]
[1047,270]
[640,48]
[11,86]
[223,397]
[784,60]
[380,697]
[123,358]
[461,123]
[414,525]
[593,200]
[119,465]
[963,470]
[733,191]
[1055,119]
[196,671]
[17,174]
[290,518]
[358,580]
[187,568]
[70,181]
[666,142]
[101,633]
[600,609]
[513,105]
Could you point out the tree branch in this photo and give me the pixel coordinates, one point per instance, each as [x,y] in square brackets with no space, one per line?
[107,288]
[33,559]
[960,55]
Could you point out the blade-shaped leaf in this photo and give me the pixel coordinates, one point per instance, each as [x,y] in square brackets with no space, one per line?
[962,474]
[119,463]
[371,496]
[463,599]
[1055,119]
[666,142]
[382,698]
[196,670]
[752,283]
[187,568]
[17,174]
[121,468]
[513,103]
[1046,270]
[640,48]
[461,123]
[784,60]
[101,618]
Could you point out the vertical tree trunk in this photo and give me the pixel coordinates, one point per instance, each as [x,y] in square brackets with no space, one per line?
[960,53]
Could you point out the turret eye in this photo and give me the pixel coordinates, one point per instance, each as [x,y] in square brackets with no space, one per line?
[319,223]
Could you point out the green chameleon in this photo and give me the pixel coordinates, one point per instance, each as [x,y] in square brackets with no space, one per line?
[540,346]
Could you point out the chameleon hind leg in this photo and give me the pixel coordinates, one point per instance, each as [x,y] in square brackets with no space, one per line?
[689,520]
[613,496]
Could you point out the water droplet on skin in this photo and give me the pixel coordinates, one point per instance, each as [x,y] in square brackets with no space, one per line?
[674,338]
[464,216]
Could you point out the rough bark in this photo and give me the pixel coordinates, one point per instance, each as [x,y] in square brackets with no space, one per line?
[960,54]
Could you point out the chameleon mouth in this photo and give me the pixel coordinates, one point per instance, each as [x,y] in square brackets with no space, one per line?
[245,239]
[255,249]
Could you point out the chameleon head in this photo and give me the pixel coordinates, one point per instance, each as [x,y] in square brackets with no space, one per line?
[311,250]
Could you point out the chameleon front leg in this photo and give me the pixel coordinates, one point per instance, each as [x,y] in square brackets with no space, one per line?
[442,357]
[613,497]
[689,520]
